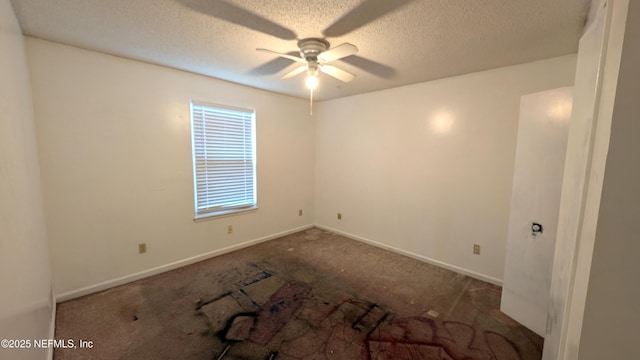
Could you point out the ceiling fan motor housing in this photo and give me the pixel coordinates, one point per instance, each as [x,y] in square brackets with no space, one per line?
[312,47]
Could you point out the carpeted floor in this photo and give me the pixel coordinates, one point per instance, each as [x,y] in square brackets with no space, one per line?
[311,295]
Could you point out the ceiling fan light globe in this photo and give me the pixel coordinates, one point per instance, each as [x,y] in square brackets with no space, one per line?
[311,82]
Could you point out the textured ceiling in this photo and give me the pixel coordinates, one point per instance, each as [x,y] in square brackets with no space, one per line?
[400,42]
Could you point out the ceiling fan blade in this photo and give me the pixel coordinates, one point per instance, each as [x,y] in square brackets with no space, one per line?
[239,16]
[286,56]
[338,52]
[337,73]
[296,71]
[363,14]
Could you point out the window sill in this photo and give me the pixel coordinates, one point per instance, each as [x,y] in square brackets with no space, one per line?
[224,213]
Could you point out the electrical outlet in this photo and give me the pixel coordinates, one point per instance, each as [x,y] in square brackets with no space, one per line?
[339,216]
[476,249]
[300,212]
[142,248]
[229,229]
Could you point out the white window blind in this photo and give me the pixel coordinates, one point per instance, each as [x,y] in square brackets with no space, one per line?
[223,158]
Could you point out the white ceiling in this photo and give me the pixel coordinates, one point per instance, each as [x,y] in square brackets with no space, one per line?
[400,42]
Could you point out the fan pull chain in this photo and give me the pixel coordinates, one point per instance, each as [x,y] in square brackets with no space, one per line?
[310,101]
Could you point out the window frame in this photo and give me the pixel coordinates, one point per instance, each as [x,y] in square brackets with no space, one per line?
[211,212]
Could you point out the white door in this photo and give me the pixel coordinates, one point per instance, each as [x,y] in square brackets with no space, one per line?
[535,202]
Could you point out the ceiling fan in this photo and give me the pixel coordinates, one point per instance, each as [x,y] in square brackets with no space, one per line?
[367,11]
[316,54]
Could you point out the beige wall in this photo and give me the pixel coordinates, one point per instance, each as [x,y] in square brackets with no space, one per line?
[427,169]
[115,146]
[25,279]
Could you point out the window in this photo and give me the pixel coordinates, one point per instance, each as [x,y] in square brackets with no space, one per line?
[224,166]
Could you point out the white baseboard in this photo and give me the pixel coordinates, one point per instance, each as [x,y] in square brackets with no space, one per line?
[171,266]
[425,259]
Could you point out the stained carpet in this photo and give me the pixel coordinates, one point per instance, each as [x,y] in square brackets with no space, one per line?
[312,295]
